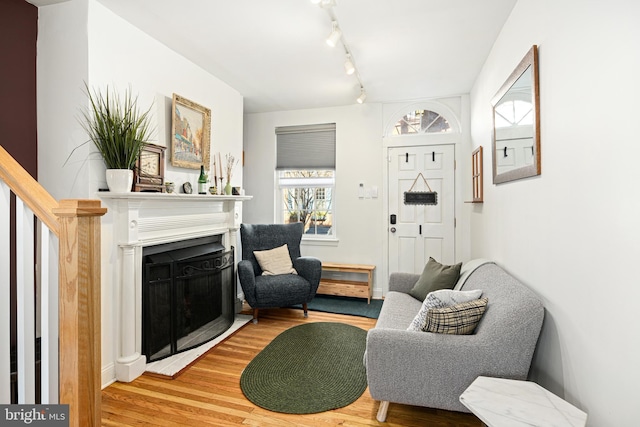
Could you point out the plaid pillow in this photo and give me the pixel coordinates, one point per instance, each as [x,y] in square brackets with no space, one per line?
[459,319]
[439,299]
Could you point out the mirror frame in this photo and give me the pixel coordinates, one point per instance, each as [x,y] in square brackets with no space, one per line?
[529,60]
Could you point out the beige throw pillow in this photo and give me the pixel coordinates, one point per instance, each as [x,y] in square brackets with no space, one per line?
[275,261]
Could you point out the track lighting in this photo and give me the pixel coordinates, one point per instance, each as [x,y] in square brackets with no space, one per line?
[324,3]
[335,35]
[334,38]
[348,66]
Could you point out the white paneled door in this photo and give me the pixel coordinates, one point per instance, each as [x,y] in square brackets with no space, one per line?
[421,230]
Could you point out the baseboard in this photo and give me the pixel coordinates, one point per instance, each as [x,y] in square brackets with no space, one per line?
[108,375]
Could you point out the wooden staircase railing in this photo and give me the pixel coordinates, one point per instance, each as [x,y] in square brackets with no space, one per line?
[76,223]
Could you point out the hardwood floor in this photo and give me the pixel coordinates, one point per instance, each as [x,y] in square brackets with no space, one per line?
[208,393]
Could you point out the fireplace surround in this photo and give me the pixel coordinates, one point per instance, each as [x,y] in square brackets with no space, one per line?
[137,221]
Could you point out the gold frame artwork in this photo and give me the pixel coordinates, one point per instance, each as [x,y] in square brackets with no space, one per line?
[190,134]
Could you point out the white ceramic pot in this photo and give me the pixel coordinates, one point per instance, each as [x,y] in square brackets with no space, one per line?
[119,180]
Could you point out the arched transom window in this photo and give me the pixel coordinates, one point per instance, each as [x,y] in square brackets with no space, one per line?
[421,121]
[513,113]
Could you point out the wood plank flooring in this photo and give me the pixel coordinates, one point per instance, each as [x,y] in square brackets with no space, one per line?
[208,393]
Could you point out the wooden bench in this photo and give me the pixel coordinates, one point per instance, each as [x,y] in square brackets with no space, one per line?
[348,288]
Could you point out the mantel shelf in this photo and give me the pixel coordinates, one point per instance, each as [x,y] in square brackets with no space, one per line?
[172,197]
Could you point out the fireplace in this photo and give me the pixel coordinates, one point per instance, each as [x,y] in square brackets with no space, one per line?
[137,226]
[187,295]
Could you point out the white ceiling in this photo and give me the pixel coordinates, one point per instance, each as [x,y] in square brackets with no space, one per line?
[273,51]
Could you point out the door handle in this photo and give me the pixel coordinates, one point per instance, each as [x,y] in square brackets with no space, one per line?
[420,228]
[392,229]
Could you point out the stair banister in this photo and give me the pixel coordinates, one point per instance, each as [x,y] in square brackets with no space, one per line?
[76,223]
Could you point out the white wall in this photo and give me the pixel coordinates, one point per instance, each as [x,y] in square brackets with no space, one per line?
[121,55]
[103,49]
[62,66]
[572,233]
[358,159]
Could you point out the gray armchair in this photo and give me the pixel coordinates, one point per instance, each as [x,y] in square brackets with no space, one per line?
[279,290]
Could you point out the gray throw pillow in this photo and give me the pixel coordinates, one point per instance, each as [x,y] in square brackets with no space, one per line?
[435,276]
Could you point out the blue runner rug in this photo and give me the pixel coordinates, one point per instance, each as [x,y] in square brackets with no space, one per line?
[345,305]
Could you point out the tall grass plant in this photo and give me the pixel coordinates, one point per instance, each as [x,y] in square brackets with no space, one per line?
[116,126]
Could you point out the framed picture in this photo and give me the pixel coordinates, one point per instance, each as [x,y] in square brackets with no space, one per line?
[190,134]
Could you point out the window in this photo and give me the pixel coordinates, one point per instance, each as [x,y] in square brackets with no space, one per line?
[305,171]
[421,121]
[307,197]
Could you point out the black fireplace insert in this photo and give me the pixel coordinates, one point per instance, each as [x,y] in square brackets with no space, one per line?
[188,295]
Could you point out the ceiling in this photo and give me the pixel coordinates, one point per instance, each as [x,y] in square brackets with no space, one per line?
[274,53]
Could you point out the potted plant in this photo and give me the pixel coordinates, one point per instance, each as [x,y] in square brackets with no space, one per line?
[118,129]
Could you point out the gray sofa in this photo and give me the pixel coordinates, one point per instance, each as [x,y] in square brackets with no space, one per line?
[432,370]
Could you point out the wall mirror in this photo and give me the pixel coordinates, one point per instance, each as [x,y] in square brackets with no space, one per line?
[516,123]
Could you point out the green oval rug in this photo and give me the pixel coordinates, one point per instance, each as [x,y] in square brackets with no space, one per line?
[309,368]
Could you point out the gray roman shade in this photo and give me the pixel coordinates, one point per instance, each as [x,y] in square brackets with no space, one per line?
[306,147]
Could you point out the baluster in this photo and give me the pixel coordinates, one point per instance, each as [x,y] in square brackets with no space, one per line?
[48,279]
[25,296]
[5,294]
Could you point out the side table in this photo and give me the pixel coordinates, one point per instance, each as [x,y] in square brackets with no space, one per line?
[500,402]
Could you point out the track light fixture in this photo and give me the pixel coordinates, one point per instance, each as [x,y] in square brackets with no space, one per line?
[348,66]
[335,35]
[324,3]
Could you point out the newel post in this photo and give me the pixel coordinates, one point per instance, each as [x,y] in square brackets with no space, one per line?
[79,309]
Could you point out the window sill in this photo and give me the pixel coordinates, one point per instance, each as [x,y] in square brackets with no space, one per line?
[311,241]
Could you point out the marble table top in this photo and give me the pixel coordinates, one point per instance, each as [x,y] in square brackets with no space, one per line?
[501,402]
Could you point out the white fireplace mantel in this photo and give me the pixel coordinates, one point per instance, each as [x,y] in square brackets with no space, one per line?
[147,219]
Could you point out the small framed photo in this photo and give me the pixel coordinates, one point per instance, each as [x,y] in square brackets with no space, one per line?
[190,134]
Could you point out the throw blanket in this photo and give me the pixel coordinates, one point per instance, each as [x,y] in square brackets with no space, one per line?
[468,268]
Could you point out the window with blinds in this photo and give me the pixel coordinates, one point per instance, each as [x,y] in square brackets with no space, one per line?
[305,170]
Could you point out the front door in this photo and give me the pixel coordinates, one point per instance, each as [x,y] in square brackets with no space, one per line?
[421,230]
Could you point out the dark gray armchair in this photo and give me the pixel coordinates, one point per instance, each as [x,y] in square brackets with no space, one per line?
[279,290]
